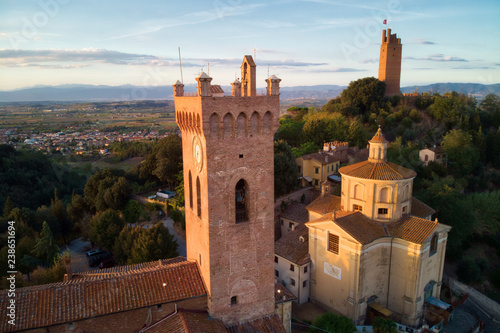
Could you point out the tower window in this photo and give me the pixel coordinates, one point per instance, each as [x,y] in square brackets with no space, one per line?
[292,282]
[241,202]
[276,273]
[316,170]
[304,284]
[292,267]
[198,197]
[275,259]
[234,300]
[434,245]
[190,189]
[333,243]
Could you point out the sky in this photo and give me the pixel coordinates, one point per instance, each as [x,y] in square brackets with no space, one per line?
[309,42]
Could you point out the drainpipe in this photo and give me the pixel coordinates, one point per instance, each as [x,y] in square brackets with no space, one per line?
[389,278]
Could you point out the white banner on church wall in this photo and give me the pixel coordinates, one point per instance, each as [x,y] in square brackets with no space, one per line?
[332,270]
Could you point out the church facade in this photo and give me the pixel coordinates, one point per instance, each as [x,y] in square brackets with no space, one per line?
[375,250]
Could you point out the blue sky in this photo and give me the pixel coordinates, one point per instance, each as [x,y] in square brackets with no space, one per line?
[52,42]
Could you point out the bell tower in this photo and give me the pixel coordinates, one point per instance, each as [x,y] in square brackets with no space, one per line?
[389,69]
[228,160]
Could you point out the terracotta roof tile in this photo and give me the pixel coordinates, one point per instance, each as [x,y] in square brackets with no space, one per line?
[292,248]
[420,209]
[360,227]
[377,171]
[324,204]
[281,294]
[322,157]
[92,295]
[186,321]
[296,212]
[216,89]
[412,229]
[271,324]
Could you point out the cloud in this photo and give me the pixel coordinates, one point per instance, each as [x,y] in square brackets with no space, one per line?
[421,41]
[33,58]
[217,12]
[438,57]
[337,70]
[478,67]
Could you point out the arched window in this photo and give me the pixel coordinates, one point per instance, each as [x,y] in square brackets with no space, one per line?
[241,201]
[190,190]
[241,124]
[267,122]
[384,195]
[198,196]
[434,244]
[358,192]
[214,126]
[254,123]
[228,124]
[426,157]
[407,192]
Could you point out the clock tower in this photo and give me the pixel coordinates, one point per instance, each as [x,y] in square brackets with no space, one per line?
[228,159]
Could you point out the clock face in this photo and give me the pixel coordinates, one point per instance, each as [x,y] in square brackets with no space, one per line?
[197,153]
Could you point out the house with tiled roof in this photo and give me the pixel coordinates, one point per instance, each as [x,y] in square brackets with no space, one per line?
[292,265]
[433,154]
[375,249]
[317,167]
[295,214]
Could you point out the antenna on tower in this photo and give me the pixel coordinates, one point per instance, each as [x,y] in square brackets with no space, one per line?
[208,68]
[180,64]
[268,71]
[254,56]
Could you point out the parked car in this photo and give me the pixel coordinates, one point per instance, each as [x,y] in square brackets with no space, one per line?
[94,253]
[106,263]
[95,260]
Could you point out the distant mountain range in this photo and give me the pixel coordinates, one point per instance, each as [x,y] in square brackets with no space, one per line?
[74,92]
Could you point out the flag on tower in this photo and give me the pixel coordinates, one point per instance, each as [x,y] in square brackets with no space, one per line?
[385,21]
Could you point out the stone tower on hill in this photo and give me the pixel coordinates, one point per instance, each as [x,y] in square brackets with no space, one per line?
[389,69]
[227,144]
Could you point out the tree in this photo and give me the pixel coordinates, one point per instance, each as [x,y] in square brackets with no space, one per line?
[382,325]
[45,248]
[8,207]
[305,149]
[334,323]
[59,211]
[132,211]
[137,245]
[105,189]
[362,97]
[105,228]
[285,169]
[462,154]
[77,208]
[165,160]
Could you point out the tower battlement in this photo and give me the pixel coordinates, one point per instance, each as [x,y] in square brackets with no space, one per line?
[208,112]
[388,38]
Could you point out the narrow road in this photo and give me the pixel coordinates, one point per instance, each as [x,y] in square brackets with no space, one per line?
[169,223]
